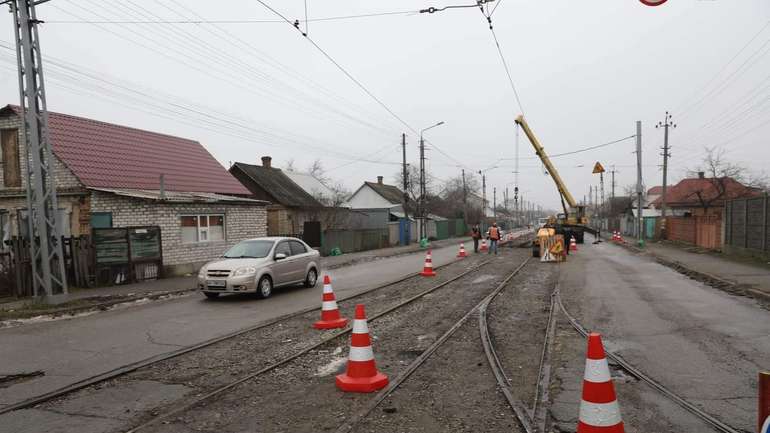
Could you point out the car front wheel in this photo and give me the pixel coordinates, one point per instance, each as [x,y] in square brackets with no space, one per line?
[312,278]
[211,295]
[265,287]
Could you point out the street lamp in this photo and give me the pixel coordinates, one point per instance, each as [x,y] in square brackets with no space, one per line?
[422,179]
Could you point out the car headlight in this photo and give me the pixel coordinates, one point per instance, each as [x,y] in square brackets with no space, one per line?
[245,271]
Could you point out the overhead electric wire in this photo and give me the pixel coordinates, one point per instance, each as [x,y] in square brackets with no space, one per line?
[242,21]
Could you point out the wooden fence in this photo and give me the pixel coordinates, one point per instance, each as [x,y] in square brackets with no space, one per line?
[127,255]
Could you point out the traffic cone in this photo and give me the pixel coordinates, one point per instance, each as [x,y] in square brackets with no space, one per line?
[427,270]
[462,251]
[361,374]
[573,244]
[599,410]
[484,246]
[330,314]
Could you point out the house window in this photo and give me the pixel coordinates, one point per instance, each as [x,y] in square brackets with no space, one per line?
[9,140]
[5,229]
[101,220]
[202,228]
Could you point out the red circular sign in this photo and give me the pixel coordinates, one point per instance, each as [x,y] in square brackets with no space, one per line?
[653,2]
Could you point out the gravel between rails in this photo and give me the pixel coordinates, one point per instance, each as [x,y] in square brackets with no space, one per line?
[518,319]
[301,396]
[454,391]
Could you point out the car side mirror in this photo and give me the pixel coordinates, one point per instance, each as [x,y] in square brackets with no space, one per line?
[280,256]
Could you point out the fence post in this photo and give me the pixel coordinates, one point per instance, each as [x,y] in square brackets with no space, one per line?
[745,223]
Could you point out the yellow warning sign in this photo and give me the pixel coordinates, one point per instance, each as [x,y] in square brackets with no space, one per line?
[598,168]
[557,248]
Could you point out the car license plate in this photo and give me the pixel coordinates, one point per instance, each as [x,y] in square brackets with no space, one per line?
[216,283]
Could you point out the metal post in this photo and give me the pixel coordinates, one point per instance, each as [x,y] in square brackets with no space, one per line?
[763,412]
[405,198]
[49,278]
[639,192]
[764,224]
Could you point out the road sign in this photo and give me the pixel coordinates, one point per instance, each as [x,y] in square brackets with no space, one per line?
[598,168]
[653,2]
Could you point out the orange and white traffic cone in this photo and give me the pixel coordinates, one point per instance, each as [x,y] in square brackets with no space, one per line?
[484,246]
[599,410]
[330,314]
[427,270]
[462,251]
[361,374]
[572,244]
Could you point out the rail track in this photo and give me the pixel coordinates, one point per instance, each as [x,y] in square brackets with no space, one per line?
[128,368]
[178,409]
[494,362]
[640,375]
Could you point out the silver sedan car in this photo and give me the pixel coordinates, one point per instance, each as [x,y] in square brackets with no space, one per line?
[259,265]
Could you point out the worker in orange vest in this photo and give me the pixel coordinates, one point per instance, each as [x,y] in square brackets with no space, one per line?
[494,237]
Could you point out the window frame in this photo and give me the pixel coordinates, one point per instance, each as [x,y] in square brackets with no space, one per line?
[292,242]
[204,229]
[101,214]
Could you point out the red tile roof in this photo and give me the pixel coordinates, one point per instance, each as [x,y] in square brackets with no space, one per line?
[105,155]
[685,193]
[655,190]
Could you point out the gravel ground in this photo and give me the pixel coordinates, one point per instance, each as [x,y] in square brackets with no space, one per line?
[518,319]
[301,396]
[454,391]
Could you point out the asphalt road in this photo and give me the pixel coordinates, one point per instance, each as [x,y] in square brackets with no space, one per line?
[71,350]
[704,344]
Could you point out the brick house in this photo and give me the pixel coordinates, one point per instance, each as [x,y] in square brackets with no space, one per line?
[290,205]
[696,206]
[109,175]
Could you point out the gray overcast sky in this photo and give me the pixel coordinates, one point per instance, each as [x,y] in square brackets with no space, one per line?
[585,72]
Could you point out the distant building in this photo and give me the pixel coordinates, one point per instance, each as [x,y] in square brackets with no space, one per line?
[377,195]
[109,175]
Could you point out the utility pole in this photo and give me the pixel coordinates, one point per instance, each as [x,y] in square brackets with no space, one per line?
[422,188]
[612,188]
[48,276]
[665,124]
[494,203]
[483,198]
[639,181]
[405,175]
[465,200]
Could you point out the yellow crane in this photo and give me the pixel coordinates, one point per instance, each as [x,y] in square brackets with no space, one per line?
[574,220]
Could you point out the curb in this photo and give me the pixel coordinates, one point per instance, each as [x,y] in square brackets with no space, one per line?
[153,296]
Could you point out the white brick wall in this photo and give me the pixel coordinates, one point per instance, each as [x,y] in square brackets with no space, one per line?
[63,175]
[241,222]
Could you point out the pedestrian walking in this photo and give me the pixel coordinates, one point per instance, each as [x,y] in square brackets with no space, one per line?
[494,237]
[476,235]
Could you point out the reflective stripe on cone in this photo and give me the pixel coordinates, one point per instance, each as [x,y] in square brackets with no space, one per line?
[330,313]
[361,374]
[599,409]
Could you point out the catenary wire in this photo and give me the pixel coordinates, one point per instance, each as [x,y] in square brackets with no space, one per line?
[254,21]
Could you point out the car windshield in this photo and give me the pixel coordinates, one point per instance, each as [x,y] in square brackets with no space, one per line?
[249,249]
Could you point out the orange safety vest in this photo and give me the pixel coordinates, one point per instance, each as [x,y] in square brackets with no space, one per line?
[494,233]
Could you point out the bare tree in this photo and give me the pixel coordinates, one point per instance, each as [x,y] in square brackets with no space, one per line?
[720,174]
[290,165]
[317,170]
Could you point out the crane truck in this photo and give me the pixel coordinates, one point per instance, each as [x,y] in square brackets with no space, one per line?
[573,222]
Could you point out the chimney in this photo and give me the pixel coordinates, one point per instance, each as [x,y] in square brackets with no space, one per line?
[379,180]
[266,161]
[162,186]
[701,175]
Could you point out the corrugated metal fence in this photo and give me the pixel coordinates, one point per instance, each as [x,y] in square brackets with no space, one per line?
[747,224]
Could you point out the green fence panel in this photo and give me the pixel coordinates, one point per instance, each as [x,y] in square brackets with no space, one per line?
[442,230]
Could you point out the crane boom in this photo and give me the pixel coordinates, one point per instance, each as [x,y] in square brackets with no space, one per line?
[547,162]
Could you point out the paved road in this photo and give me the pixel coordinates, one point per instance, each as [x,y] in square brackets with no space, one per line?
[703,343]
[72,350]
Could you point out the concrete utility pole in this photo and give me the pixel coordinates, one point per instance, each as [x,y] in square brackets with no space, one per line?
[639,186]
[483,198]
[494,203]
[405,177]
[465,200]
[48,276]
[423,189]
[665,124]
